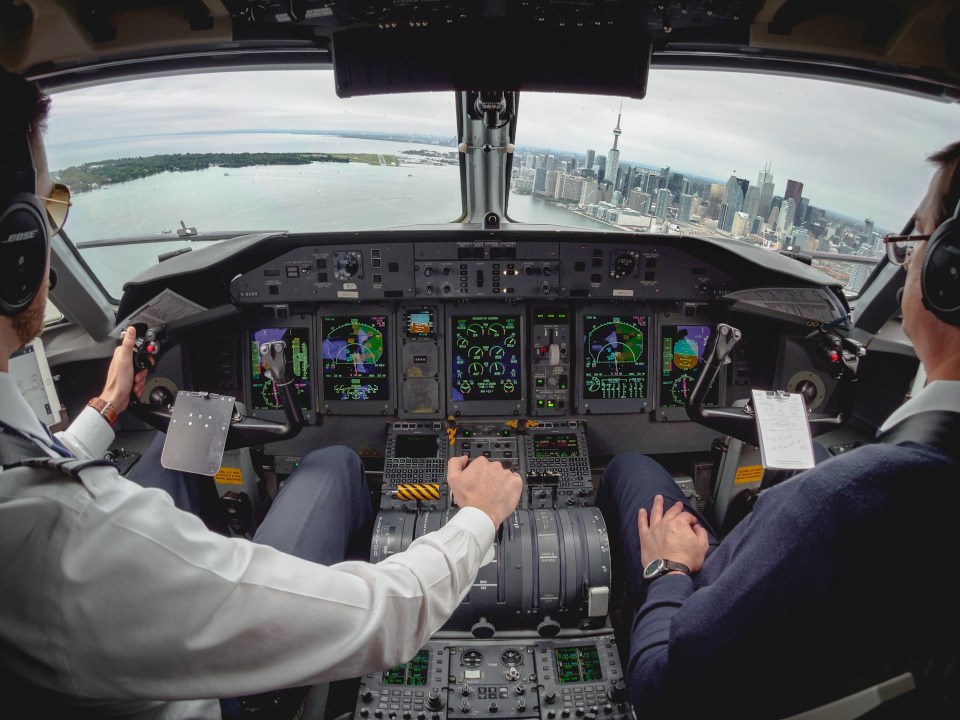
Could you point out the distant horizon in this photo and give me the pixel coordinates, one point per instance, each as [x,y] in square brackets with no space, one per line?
[416,138]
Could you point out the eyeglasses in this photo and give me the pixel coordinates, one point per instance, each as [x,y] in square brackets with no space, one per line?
[900,247]
[58,205]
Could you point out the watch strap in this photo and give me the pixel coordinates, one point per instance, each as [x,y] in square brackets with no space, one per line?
[665,566]
[105,408]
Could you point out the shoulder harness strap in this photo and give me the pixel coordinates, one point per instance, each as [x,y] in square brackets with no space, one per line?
[68,466]
[936,428]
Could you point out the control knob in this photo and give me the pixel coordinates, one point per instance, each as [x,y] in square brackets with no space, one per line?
[550,698]
[482,629]
[617,692]
[434,699]
[548,627]
[366,695]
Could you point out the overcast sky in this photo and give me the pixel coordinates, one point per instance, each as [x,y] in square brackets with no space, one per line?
[857,150]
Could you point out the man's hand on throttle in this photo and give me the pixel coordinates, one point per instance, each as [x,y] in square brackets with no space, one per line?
[673,534]
[485,485]
[121,379]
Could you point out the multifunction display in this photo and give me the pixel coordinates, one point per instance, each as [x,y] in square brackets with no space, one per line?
[683,349]
[578,664]
[355,358]
[416,446]
[418,322]
[413,672]
[264,394]
[555,446]
[615,357]
[486,358]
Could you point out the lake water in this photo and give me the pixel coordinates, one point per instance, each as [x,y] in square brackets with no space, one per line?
[299,198]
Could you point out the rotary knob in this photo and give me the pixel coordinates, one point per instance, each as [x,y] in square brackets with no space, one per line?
[435,699]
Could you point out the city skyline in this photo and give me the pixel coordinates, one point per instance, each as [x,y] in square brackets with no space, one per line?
[860,150]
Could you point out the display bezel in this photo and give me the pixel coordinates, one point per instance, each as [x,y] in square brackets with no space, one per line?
[674,414]
[613,405]
[336,406]
[406,344]
[508,406]
[251,326]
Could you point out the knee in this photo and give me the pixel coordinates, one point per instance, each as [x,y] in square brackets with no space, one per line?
[336,459]
[628,466]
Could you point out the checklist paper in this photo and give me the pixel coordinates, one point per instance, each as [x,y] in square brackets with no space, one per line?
[785,441]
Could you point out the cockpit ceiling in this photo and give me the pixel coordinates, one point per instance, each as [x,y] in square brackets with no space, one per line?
[910,44]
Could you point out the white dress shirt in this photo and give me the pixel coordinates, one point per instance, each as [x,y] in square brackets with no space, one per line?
[111,593]
[937,395]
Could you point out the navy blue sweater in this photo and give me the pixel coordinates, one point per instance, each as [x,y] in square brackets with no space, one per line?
[835,579]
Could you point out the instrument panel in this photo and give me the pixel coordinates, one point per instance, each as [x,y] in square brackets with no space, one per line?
[484,359]
[399,327]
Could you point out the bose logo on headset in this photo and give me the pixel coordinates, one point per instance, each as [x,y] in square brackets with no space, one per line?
[17,237]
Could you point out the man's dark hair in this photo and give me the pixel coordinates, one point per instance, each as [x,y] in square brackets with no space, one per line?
[948,160]
[25,105]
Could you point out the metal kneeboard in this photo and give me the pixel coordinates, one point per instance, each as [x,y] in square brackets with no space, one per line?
[197,433]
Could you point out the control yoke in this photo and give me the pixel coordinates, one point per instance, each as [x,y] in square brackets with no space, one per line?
[244,431]
[739,422]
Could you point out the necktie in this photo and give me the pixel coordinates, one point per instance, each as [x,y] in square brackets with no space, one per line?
[56,445]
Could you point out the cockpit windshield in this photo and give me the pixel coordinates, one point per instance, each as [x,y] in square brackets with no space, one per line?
[162,164]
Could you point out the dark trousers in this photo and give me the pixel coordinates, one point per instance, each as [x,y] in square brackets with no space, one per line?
[322,513]
[630,482]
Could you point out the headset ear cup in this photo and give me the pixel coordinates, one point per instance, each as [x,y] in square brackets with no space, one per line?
[23,252]
[940,274]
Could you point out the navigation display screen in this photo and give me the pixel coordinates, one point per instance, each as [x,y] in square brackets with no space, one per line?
[355,358]
[555,446]
[615,357]
[264,394]
[683,349]
[578,664]
[486,358]
[409,673]
[416,446]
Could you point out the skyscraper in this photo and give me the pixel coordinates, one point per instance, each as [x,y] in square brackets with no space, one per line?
[751,201]
[663,202]
[613,155]
[794,192]
[732,202]
[686,207]
[765,183]
[591,156]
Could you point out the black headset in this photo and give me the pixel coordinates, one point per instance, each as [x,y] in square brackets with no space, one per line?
[940,274]
[23,228]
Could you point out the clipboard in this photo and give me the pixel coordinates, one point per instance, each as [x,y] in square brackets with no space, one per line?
[784,430]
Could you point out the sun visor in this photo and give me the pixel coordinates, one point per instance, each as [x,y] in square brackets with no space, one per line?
[495,56]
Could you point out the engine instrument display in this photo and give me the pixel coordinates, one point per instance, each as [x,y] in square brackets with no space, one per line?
[615,357]
[413,672]
[355,358]
[486,358]
[264,394]
[555,446]
[578,664]
[683,348]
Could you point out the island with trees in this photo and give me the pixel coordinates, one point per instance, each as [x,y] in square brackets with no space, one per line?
[92,175]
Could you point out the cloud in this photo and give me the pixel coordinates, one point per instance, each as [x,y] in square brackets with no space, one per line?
[858,151]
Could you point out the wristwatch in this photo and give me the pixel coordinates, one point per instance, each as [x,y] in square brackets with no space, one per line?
[105,408]
[659,567]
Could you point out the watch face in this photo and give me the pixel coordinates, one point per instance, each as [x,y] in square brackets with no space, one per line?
[653,569]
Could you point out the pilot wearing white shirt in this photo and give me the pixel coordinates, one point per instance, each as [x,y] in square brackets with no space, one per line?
[117,603]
